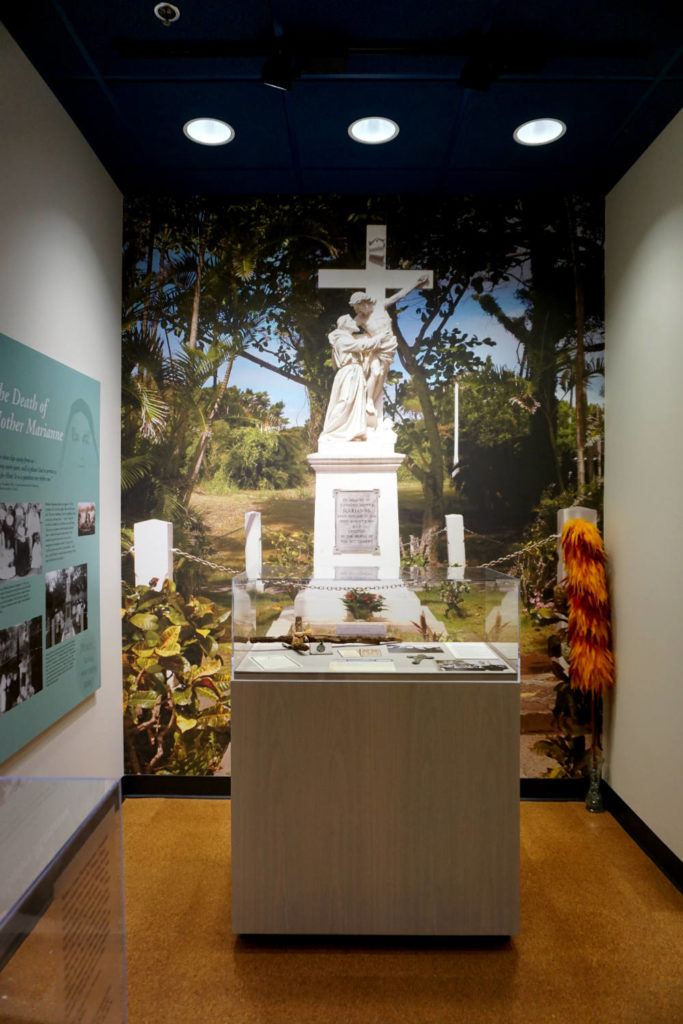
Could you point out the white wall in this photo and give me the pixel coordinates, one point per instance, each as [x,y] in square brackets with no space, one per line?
[60,293]
[644,483]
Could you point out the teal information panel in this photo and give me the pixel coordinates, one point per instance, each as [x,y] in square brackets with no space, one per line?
[49,542]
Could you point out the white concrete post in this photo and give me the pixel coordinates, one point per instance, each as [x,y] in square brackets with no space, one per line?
[153,550]
[563,516]
[252,545]
[455,538]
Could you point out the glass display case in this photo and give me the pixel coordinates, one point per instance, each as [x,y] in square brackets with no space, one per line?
[430,624]
[61,902]
[375,755]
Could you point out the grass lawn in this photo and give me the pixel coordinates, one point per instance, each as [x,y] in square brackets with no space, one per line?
[223,515]
[286,511]
[533,639]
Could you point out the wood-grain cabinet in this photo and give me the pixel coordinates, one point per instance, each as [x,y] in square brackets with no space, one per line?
[372,806]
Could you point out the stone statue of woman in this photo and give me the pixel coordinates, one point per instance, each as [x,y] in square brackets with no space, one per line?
[347,416]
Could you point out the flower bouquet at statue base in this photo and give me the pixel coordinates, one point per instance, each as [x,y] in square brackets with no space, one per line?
[362,604]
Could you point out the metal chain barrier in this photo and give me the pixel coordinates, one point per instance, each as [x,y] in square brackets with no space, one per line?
[292,580]
[206,562]
[396,586]
[490,540]
[522,551]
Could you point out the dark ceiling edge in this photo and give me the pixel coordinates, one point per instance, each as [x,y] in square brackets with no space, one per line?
[602,186]
[90,63]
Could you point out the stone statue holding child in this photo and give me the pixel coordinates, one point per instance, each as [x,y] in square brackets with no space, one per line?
[363,350]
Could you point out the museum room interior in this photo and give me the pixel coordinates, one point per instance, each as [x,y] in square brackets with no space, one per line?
[99,107]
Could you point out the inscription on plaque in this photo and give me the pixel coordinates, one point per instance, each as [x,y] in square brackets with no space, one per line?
[355,522]
[356,572]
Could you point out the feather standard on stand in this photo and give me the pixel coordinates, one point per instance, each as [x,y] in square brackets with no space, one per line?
[591,662]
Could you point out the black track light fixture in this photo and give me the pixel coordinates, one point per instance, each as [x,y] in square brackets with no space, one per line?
[280,70]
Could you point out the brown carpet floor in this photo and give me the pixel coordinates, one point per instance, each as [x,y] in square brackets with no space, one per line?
[600,943]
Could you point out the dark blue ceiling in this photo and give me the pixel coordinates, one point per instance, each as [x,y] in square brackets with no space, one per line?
[611,69]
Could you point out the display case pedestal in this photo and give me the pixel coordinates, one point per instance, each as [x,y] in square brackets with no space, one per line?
[375,770]
[374,807]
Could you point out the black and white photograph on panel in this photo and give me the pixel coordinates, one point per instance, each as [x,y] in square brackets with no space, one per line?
[66,603]
[21,663]
[21,539]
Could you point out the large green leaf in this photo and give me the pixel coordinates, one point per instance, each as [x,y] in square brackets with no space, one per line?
[206,690]
[207,643]
[208,667]
[152,669]
[183,696]
[185,724]
[150,598]
[213,721]
[143,699]
[177,617]
[177,665]
[169,646]
[145,620]
[143,650]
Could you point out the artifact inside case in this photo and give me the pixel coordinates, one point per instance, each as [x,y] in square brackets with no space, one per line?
[424,625]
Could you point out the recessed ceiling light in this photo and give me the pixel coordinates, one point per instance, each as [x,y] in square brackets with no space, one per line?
[208,131]
[167,13]
[539,132]
[373,130]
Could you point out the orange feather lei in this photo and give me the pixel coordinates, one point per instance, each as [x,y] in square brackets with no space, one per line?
[591,662]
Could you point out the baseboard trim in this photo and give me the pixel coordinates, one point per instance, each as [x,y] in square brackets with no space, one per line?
[553,789]
[658,852]
[212,786]
[209,786]
[204,786]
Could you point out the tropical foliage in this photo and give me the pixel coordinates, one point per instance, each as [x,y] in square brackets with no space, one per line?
[291,549]
[572,711]
[203,284]
[252,458]
[176,682]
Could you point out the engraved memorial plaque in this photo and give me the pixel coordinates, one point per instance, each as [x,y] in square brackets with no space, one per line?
[356,572]
[355,522]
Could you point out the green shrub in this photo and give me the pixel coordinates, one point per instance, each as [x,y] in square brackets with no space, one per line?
[176,683]
[258,458]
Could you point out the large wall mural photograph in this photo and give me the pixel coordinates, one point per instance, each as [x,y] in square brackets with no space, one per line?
[491,375]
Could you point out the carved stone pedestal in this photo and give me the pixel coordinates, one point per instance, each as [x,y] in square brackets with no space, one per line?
[356,530]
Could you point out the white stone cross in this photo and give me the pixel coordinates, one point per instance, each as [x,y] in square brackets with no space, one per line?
[374,278]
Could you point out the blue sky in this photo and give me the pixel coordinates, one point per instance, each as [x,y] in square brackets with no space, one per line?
[470,319]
